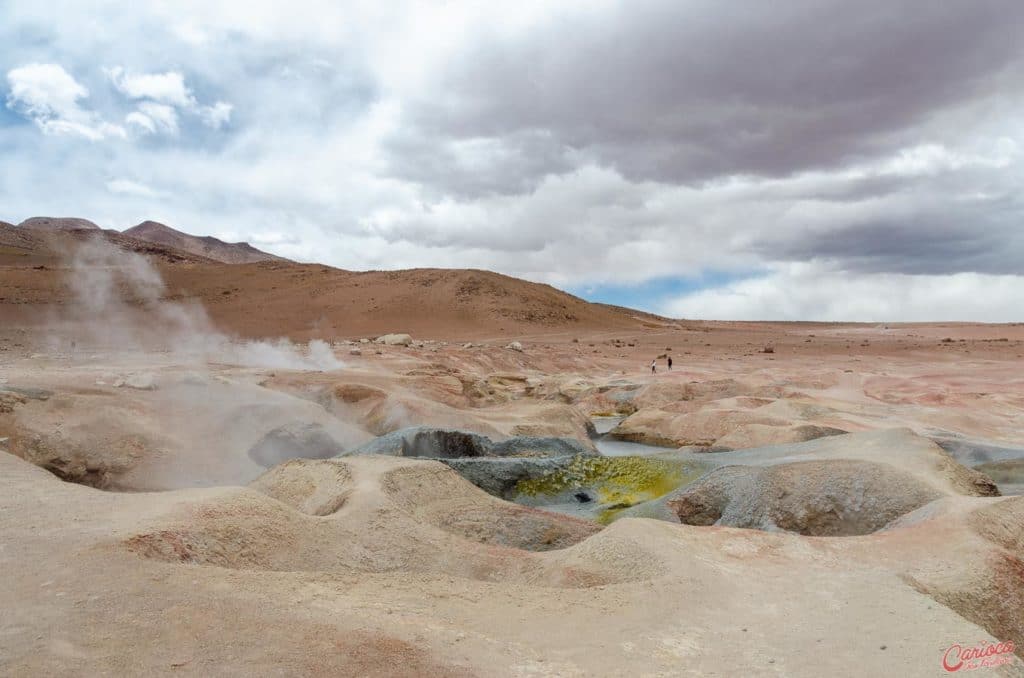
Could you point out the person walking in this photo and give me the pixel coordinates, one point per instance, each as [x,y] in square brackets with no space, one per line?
[654,366]
[670,362]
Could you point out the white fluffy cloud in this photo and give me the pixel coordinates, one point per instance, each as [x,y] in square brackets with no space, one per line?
[217,115]
[49,96]
[157,117]
[167,88]
[598,143]
[163,97]
[128,187]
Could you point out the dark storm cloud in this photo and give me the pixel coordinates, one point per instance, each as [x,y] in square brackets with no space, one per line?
[989,240]
[688,91]
[470,168]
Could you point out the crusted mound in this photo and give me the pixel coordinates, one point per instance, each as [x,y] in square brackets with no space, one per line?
[372,514]
[190,431]
[821,498]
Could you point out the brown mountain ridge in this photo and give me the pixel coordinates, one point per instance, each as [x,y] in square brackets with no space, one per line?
[204,246]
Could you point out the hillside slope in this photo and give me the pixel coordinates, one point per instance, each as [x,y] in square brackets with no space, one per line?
[204,246]
[301,301]
[20,246]
[306,300]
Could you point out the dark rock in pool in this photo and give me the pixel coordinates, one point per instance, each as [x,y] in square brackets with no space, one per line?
[501,476]
[294,441]
[438,443]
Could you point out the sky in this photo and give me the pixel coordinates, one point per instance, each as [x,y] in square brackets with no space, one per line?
[805,160]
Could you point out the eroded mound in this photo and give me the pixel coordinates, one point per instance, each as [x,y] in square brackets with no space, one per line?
[313,489]
[191,431]
[819,498]
[982,579]
[368,514]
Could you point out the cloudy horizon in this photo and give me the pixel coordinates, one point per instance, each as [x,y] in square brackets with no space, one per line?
[821,160]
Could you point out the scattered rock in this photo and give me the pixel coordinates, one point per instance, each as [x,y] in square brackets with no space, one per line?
[143,381]
[514,346]
[394,340]
[355,351]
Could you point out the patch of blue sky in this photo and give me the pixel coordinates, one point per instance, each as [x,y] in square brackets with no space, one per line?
[653,294]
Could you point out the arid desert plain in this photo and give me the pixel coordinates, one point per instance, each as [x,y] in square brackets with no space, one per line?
[269,468]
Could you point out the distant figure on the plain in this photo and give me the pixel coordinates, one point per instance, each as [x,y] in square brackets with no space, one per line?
[654,366]
[670,362]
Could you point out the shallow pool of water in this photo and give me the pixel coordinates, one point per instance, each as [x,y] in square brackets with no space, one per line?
[605,424]
[610,447]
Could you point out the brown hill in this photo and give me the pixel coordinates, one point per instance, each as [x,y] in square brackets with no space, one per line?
[204,246]
[283,298]
[58,224]
[309,300]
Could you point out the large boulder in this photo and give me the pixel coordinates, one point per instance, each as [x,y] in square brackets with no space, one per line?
[820,498]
